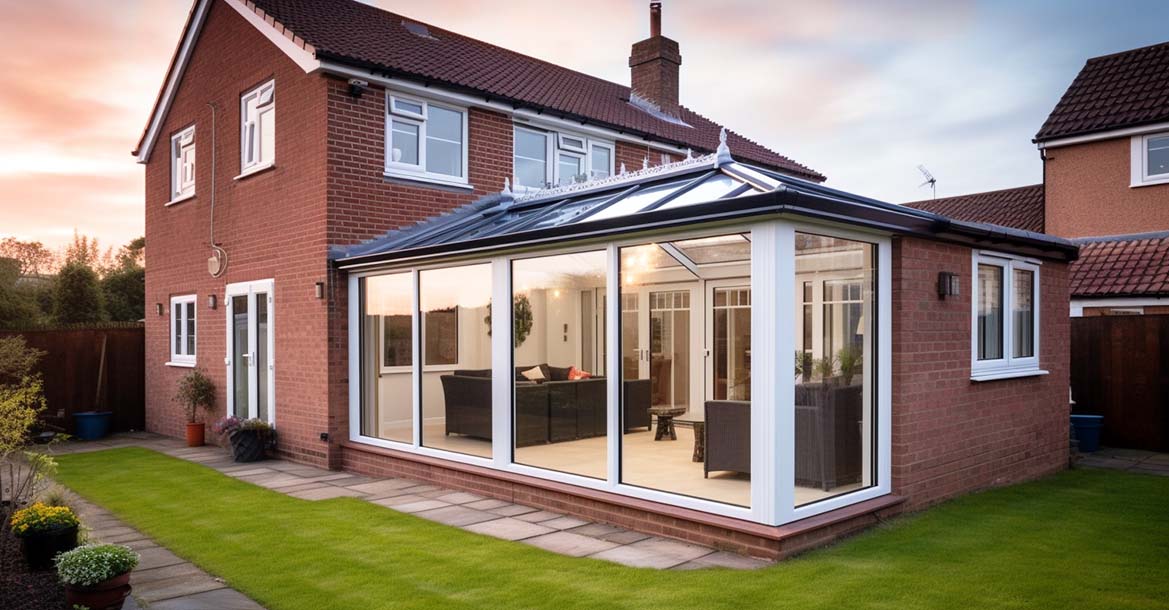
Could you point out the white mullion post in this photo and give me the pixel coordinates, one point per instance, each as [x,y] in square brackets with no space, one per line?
[355,338]
[885,366]
[416,348]
[613,363]
[502,370]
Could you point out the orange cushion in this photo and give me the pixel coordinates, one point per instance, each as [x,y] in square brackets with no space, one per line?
[575,374]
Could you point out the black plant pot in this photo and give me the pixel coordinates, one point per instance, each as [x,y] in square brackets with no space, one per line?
[40,548]
[249,445]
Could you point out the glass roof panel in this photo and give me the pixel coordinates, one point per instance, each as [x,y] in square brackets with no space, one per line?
[710,190]
[568,212]
[635,202]
[712,250]
[646,258]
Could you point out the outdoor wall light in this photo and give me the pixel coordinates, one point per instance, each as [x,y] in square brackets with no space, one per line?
[947,284]
[320,290]
[212,301]
[158,308]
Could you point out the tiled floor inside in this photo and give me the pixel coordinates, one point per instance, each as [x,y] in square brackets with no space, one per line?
[548,530]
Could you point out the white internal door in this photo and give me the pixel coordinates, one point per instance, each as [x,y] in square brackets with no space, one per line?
[670,343]
[251,366]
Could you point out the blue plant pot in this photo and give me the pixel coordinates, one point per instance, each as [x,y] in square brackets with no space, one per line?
[1087,429]
[92,425]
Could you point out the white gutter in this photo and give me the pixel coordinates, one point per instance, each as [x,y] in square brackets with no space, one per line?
[1103,135]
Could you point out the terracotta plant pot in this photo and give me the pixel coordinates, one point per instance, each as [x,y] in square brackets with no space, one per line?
[40,548]
[108,595]
[195,434]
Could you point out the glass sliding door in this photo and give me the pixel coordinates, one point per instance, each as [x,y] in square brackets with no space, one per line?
[387,357]
[455,305]
[835,413]
[250,343]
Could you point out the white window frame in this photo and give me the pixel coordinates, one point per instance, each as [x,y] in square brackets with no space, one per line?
[418,171]
[1010,365]
[251,150]
[773,342]
[1140,161]
[555,145]
[178,309]
[182,158]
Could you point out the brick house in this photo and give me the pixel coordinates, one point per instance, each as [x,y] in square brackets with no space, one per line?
[702,342]
[1105,150]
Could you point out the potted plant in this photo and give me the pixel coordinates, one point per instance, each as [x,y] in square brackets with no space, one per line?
[249,438]
[97,576]
[44,531]
[196,391]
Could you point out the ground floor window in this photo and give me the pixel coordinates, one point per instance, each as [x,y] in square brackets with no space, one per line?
[657,367]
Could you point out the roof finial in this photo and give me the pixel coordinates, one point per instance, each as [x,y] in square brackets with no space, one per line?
[645,162]
[689,153]
[723,154]
[622,168]
[506,186]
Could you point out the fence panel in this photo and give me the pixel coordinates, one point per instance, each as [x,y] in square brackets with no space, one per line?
[1120,369]
[77,379]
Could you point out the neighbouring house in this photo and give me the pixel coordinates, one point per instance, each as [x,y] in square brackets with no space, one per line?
[1105,150]
[424,255]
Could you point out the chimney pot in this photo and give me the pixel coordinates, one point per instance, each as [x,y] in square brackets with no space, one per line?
[655,19]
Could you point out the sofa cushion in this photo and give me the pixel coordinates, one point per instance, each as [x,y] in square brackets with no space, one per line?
[534,374]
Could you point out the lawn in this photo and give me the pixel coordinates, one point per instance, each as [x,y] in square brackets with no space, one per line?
[1079,540]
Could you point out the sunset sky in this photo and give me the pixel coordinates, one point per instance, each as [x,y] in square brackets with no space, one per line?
[862,91]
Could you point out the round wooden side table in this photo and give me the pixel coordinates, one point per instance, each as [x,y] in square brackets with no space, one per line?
[666,415]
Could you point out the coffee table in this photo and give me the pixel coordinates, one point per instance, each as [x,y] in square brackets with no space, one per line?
[666,415]
[698,422]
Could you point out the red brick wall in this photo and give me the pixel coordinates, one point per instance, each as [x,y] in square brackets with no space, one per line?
[952,435]
[272,225]
[1088,192]
[634,156]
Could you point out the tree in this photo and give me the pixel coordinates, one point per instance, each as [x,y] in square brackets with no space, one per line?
[124,285]
[18,305]
[34,257]
[77,296]
[87,251]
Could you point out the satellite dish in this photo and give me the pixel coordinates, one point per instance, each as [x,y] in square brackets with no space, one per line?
[217,263]
[929,179]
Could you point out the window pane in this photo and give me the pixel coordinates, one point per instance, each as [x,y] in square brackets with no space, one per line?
[268,135]
[387,405]
[239,355]
[571,169]
[409,107]
[444,142]
[177,336]
[835,414]
[190,319]
[1023,308]
[686,427]
[262,399]
[602,162]
[561,411]
[1158,162]
[404,143]
[531,158]
[990,312]
[456,314]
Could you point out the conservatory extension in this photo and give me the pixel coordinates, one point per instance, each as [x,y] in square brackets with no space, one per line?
[705,335]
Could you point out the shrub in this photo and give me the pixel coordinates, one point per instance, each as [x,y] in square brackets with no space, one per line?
[91,564]
[40,518]
[196,390]
[227,425]
[77,296]
[850,358]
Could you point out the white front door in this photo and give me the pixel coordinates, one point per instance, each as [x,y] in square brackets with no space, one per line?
[251,367]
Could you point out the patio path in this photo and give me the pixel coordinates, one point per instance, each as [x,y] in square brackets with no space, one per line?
[548,530]
[1131,460]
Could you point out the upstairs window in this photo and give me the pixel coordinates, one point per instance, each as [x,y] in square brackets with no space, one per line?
[549,158]
[257,110]
[425,140]
[1006,317]
[182,333]
[182,164]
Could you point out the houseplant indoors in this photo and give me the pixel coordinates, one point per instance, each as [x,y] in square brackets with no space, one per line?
[249,438]
[97,576]
[44,531]
[196,391]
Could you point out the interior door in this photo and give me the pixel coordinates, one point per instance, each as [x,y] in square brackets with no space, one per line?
[250,350]
[728,340]
[669,343]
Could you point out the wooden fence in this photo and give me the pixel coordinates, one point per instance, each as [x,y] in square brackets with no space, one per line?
[1120,369]
[87,369]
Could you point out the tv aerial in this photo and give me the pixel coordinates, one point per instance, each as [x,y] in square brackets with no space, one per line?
[929,179]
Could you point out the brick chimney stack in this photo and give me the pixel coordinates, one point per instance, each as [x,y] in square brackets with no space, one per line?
[654,65]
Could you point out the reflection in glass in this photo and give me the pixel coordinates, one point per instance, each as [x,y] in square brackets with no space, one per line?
[262,356]
[387,405]
[240,354]
[1023,308]
[990,312]
[834,410]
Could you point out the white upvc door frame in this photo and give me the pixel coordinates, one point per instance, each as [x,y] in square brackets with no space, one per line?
[695,348]
[250,290]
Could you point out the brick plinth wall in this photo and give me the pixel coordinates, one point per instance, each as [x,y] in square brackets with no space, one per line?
[952,435]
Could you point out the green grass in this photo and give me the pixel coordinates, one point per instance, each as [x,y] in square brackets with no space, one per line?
[1081,539]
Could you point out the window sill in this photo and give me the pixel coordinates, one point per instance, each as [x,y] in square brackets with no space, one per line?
[1150,182]
[180,199]
[426,180]
[1007,374]
[181,365]
[251,171]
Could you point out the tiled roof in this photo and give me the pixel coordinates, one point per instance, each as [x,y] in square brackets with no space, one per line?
[357,34]
[1137,265]
[1113,91]
[1018,208]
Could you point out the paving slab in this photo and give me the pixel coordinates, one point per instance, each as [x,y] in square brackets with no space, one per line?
[596,530]
[460,497]
[177,586]
[653,552]
[538,516]
[157,557]
[457,516]
[396,501]
[179,569]
[379,489]
[420,505]
[218,599]
[487,504]
[512,510]
[509,529]
[723,559]
[564,523]
[326,493]
[573,545]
